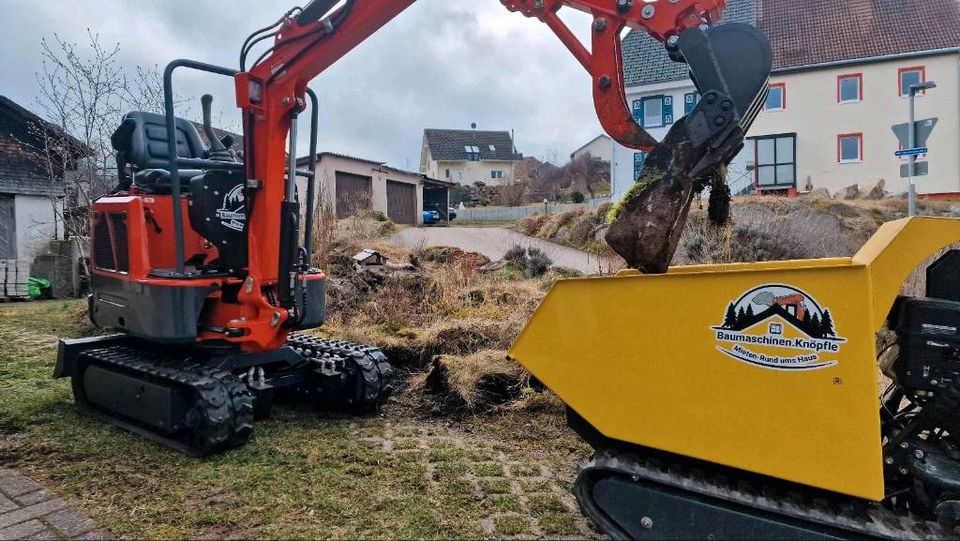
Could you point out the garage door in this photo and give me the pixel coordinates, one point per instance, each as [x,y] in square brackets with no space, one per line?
[401,202]
[353,193]
[8,228]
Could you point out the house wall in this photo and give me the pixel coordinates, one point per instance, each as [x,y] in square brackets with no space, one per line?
[35,224]
[598,148]
[327,188]
[812,112]
[739,174]
[468,172]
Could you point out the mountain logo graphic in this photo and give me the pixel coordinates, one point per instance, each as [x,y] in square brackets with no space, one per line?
[779,327]
[232,213]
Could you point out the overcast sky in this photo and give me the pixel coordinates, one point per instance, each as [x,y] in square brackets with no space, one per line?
[440,64]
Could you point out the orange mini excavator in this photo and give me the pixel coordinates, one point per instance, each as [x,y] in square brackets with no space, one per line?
[199,259]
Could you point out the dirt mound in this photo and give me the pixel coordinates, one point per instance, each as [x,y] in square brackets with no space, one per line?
[452,255]
[478,382]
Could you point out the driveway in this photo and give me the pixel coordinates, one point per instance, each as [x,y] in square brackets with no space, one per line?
[493,242]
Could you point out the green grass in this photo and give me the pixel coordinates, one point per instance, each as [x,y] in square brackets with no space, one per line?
[304,474]
[511,525]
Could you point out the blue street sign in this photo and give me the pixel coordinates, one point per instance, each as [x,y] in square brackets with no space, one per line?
[912,151]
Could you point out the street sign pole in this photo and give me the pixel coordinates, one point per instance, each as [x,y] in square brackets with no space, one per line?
[912,190]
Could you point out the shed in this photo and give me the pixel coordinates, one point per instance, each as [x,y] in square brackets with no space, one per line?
[31,180]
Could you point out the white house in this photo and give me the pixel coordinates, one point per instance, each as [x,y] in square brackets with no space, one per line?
[600,147]
[469,156]
[837,86]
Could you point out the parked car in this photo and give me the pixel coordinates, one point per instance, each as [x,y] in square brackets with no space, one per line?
[451,213]
[430,217]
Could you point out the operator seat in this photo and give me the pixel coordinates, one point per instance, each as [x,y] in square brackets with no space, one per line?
[142,156]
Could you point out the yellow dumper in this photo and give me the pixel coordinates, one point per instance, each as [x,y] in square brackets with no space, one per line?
[741,400]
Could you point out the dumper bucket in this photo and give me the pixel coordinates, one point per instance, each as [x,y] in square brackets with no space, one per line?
[767,367]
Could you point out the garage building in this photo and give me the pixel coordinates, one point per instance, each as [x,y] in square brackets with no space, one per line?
[347,185]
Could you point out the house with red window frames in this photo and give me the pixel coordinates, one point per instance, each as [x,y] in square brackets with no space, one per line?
[841,70]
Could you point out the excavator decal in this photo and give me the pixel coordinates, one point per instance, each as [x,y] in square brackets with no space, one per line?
[780,327]
[232,213]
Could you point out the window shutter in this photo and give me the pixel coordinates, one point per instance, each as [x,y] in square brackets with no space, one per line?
[667,110]
[689,102]
[637,110]
[638,160]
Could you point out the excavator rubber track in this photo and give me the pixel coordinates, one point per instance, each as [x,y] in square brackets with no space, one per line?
[188,401]
[632,495]
[204,410]
[370,388]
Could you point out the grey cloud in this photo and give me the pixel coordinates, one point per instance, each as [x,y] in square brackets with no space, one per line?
[441,64]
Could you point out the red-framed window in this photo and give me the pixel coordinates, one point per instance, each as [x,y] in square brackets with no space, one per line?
[776,97]
[850,88]
[850,147]
[910,76]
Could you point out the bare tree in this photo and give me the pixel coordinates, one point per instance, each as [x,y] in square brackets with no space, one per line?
[514,193]
[82,93]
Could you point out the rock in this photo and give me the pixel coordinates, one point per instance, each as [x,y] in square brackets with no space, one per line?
[494,266]
[850,192]
[874,189]
[820,193]
[401,266]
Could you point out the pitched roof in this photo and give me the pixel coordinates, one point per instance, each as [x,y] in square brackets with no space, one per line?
[590,142]
[302,160]
[23,162]
[450,145]
[815,32]
[856,29]
[645,60]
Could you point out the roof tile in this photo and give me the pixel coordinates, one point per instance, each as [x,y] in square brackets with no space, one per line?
[448,145]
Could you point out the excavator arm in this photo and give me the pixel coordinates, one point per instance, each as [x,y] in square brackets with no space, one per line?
[729,64]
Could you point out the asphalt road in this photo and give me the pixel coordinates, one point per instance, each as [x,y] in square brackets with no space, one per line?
[493,242]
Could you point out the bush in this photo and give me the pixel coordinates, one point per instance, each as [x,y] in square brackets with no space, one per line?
[532,261]
[479,183]
[577,197]
[378,216]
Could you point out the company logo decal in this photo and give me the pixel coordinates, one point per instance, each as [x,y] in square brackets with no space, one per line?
[232,213]
[779,327]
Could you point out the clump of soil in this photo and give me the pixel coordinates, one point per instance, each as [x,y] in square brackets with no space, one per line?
[452,255]
[478,382]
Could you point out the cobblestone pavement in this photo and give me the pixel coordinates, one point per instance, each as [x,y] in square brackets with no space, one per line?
[27,511]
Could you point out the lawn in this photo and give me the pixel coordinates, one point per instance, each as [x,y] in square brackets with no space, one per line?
[305,474]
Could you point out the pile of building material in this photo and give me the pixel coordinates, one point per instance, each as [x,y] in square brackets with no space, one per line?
[16,279]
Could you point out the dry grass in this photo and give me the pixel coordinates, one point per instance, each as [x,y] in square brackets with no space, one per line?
[761,228]
[580,228]
[476,382]
[348,236]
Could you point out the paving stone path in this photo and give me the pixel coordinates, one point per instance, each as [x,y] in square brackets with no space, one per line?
[27,511]
[528,500]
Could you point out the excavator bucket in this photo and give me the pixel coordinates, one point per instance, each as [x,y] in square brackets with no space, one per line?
[730,66]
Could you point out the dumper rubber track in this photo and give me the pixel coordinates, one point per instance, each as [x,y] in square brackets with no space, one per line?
[368,367]
[756,509]
[217,412]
